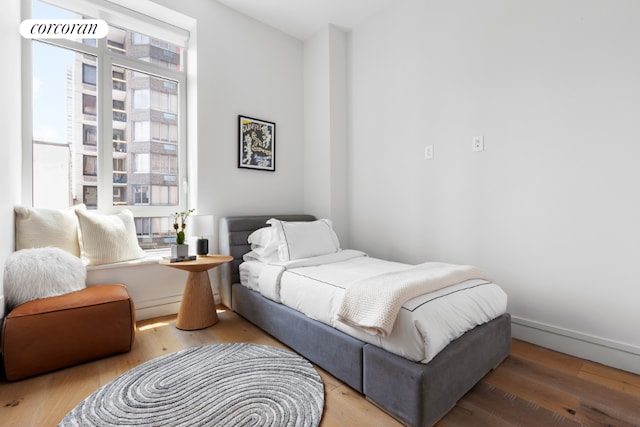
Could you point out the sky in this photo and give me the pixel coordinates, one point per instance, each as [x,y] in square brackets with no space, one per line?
[49,81]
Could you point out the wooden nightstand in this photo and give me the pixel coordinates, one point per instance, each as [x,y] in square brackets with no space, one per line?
[198,308]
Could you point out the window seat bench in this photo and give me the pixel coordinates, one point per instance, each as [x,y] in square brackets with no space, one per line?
[155,289]
[151,257]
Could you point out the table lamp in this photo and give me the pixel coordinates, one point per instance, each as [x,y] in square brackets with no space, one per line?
[202,226]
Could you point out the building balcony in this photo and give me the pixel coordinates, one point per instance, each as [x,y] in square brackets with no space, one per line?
[116,47]
[119,147]
[119,116]
[119,125]
[119,95]
[119,84]
[119,177]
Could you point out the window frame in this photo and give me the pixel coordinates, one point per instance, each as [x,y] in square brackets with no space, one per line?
[106,60]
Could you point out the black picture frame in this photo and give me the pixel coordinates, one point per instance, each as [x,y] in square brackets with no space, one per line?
[256,144]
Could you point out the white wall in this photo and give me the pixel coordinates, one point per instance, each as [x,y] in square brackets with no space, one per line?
[10,160]
[551,208]
[325,128]
[338,70]
[317,135]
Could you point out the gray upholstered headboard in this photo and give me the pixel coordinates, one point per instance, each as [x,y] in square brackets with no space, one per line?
[234,231]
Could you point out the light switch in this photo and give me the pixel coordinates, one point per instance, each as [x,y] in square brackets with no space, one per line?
[477,143]
[428,152]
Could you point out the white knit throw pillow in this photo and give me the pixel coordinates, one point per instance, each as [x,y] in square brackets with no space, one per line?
[31,274]
[108,238]
[40,228]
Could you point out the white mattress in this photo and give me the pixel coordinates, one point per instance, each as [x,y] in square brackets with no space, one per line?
[425,324]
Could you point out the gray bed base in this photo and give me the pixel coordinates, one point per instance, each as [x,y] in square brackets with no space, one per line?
[414,393]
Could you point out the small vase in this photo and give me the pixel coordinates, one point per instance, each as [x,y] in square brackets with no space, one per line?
[179,251]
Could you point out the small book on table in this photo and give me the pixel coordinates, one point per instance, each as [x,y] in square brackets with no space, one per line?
[179,258]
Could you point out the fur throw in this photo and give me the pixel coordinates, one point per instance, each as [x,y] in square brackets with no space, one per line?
[31,274]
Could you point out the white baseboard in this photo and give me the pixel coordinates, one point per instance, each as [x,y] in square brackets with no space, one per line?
[161,307]
[608,352]
[157,307]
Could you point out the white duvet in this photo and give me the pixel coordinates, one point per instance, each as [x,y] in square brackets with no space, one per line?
[424,325]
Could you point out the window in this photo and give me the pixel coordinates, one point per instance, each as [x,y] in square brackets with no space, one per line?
[163,101]
[119,113]
[143,227]
[141,75]
[89,74]
[163,194]
[89,135]
[141,163]
[90,196]
[118,165]
[164,163]
[89,165]
[119,83]
[142,131]
[118,105]
[140,39]
[119,196]
[164,132]
[140,194]
[89,104]
[119,143]
[154,231]
[141,99]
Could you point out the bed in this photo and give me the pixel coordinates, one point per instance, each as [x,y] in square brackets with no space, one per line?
[416,388]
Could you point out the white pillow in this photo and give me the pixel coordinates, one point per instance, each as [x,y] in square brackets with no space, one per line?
[264,245]
[305,239]
[38,228]
[31,274]
[108,238]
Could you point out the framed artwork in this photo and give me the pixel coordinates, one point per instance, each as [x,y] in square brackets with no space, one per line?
[257,144]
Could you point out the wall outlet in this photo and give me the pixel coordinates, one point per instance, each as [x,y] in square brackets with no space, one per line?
[477,143]
[428,152]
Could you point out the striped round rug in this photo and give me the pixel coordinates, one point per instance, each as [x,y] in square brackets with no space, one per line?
[217,385]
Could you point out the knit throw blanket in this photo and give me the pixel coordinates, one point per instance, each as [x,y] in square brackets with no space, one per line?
[372,304]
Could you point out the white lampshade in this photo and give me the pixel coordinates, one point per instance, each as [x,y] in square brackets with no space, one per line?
[201,225]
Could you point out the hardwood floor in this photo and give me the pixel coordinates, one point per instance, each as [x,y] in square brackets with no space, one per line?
[532,387]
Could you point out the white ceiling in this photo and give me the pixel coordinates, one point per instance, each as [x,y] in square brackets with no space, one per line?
[304,18]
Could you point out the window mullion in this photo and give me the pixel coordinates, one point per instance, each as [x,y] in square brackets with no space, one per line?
[105,124]
[73,45]
[183,166]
